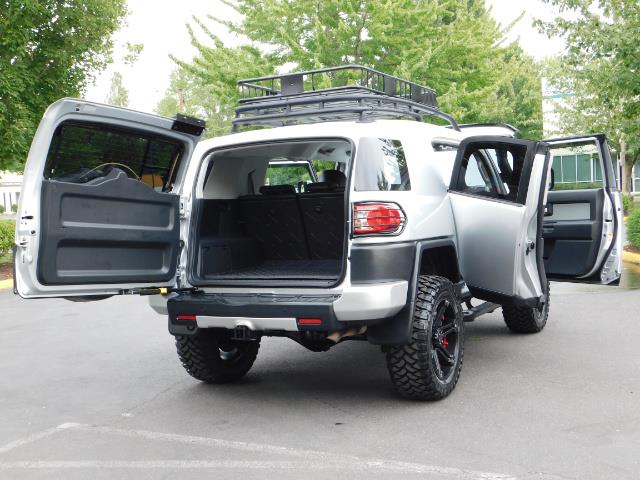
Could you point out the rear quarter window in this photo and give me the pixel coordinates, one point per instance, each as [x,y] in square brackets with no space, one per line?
[381,166]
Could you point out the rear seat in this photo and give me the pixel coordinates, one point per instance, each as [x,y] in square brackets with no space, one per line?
[322,208]
[273,218]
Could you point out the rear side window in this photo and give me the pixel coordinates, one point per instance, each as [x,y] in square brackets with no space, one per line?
[81,153]
[381,166]
[493,170]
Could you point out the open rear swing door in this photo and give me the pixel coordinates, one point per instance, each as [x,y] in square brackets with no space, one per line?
[498,192]
[99,211]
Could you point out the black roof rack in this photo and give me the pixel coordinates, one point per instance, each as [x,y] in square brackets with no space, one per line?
[308,97]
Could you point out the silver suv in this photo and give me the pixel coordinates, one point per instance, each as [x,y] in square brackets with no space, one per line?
[351,219]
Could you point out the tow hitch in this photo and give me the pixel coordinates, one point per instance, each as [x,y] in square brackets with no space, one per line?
[244,334]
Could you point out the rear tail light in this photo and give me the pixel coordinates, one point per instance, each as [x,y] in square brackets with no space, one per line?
[186,318]
[377,218]
[309,321]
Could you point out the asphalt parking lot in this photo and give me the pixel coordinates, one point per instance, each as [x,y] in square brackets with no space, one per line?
[95,391]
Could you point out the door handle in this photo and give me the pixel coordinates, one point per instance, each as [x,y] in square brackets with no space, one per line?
[548,210]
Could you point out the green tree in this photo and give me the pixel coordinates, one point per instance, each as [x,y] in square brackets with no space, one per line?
[48,50]
[454,46]
[118,95]
[599,72]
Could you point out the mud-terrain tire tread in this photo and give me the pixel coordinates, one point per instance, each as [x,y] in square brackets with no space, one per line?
[200,357]
[410,365]
[526,319]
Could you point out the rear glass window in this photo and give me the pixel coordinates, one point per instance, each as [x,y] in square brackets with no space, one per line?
[81,153]
[294,174]
[381,166]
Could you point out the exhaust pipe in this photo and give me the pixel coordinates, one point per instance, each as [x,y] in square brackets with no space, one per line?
[339,335]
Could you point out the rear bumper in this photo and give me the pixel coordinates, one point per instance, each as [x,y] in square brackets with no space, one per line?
[358,304]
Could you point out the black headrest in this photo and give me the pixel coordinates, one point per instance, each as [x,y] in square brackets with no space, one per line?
[277,190]
[318,187]
[335,177]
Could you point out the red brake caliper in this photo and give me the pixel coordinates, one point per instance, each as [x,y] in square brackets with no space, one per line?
[443,341]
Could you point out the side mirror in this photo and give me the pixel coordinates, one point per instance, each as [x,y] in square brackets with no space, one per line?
[552,181]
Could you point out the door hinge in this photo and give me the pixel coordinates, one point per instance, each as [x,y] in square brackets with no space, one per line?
[183,206]
[531,246]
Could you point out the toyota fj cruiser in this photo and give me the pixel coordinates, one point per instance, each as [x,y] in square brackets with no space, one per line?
[351,219]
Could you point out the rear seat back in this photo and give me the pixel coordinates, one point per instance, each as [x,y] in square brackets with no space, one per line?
[323,215]
[322,207]
[273,218]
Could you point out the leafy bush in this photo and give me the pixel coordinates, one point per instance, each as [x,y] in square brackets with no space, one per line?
[7,228]
[627,203]
[1,209]
[633,227]
[14,208]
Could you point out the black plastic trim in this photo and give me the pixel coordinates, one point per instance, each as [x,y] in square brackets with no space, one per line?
[187,124]
[502,299]
[397,329]
[94,238]
[257,306]
[383,262]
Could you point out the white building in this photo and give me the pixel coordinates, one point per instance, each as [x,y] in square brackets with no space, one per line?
[10,185]
[551,100]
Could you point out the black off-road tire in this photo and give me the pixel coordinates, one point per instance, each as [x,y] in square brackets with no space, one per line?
[212,357]
[415,368]
[527,319]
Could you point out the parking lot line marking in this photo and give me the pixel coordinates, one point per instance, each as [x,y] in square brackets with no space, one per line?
[239,464]
[29,439]
[312,459]
[329,460]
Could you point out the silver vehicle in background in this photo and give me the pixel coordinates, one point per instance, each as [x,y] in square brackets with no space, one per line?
[349,219]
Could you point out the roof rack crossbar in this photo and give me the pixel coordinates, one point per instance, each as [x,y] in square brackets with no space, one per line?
[327,107]
[305,96]
[320,112]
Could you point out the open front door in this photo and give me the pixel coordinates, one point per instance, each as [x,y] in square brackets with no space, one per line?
[99,213]
[583,220]
[497,194]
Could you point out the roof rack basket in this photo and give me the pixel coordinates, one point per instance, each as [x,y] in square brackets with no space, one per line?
[310,97]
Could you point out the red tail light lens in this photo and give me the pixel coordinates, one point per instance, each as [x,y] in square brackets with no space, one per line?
[377,218]
[309,321]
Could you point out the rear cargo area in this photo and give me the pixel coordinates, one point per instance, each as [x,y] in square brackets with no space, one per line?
[270,230]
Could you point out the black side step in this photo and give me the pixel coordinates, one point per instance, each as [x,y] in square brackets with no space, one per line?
[472,313]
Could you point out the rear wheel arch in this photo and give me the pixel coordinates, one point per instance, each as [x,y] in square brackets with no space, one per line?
[434,257]
[439,259]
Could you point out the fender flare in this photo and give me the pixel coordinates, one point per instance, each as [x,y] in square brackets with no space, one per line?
[397,330]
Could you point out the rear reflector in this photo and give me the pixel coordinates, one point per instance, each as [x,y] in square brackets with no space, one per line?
[309,321]
[377,218]
[186,318]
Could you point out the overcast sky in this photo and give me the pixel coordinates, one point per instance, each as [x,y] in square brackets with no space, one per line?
[161,26]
